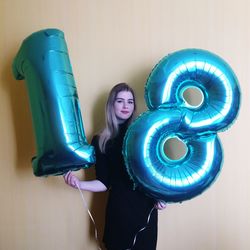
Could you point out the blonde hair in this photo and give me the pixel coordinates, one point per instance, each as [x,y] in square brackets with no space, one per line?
[112,126]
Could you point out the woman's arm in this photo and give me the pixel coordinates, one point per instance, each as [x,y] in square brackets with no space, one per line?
[92,186]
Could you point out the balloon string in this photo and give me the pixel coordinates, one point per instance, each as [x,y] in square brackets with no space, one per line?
[142,229]
[90,215]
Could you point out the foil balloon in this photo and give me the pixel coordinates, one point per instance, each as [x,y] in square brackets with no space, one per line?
[43,62]
[171,116]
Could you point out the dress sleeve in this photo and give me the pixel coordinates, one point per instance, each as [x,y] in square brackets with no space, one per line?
[101,165]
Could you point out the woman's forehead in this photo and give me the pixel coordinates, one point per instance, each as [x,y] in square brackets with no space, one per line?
[124,95]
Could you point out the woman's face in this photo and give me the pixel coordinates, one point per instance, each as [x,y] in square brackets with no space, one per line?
[124,106]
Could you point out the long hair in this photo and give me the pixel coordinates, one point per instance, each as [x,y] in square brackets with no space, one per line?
[112,126]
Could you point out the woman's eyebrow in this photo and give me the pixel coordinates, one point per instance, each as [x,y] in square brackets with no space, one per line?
[123,99]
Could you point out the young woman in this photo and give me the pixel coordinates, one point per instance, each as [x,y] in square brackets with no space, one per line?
[127,208]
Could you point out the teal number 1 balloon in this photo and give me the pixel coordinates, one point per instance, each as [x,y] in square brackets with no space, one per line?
[43,62]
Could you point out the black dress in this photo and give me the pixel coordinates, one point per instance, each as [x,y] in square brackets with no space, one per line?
[127,209]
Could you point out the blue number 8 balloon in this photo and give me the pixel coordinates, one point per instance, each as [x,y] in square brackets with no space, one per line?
[170,116]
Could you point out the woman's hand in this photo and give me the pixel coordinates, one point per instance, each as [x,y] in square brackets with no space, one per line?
[160,205]
[71,180]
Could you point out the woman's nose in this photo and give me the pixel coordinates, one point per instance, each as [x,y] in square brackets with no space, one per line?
[125,105]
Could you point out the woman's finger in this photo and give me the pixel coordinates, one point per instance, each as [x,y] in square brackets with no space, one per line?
[67,176]
[160,205]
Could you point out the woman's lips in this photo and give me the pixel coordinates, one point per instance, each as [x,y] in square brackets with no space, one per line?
[124,112]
